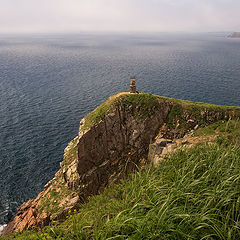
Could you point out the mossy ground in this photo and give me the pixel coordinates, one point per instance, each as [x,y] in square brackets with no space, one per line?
[193,194]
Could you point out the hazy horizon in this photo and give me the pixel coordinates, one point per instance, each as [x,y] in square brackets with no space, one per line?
[153,16]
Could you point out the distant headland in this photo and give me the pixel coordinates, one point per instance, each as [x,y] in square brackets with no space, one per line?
[234,35]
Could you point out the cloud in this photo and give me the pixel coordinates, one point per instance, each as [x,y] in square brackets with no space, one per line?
[118,15]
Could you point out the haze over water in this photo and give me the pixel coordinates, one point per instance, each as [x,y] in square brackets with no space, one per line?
[48,83]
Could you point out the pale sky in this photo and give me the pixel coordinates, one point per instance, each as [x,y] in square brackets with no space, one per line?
[119,15]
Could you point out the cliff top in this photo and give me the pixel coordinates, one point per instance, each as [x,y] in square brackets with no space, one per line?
[146,101]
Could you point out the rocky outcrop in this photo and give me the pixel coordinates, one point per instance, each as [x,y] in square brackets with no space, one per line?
[162,147]
[113,141]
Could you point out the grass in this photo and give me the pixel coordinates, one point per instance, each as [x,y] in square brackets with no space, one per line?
[194,194]
[175,114]
[228,131]
[143,100]
[144,104]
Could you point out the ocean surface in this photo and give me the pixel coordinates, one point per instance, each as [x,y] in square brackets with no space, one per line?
[49,82]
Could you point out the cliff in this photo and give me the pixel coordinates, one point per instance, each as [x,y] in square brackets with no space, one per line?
[113,141]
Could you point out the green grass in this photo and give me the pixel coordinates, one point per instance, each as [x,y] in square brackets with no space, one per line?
[175,114]
[194,194]
[228,131]
[97,115]
[231,127]
[144,104]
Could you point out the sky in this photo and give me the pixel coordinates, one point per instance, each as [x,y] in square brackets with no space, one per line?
[20,16]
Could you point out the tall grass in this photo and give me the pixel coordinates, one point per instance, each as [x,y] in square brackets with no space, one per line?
[193,194]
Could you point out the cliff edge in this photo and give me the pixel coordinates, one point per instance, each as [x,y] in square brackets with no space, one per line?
[113,141]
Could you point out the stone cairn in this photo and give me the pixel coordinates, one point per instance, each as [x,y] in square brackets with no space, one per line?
[133,85]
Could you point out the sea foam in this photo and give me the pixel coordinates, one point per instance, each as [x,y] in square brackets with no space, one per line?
[1,228]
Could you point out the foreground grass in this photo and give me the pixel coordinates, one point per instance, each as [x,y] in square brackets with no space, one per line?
[194,194]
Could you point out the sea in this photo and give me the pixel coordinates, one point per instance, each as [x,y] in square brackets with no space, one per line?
[49,82]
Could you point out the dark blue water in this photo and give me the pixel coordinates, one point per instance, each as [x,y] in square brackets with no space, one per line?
[48,83]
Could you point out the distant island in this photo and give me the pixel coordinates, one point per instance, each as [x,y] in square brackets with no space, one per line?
[234,35]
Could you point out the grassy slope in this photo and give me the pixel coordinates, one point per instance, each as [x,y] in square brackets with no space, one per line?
[194,194]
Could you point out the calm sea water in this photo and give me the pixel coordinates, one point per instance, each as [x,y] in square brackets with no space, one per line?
[48,83]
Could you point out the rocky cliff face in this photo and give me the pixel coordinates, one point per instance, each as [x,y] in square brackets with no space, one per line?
[113,140]
[114,146]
